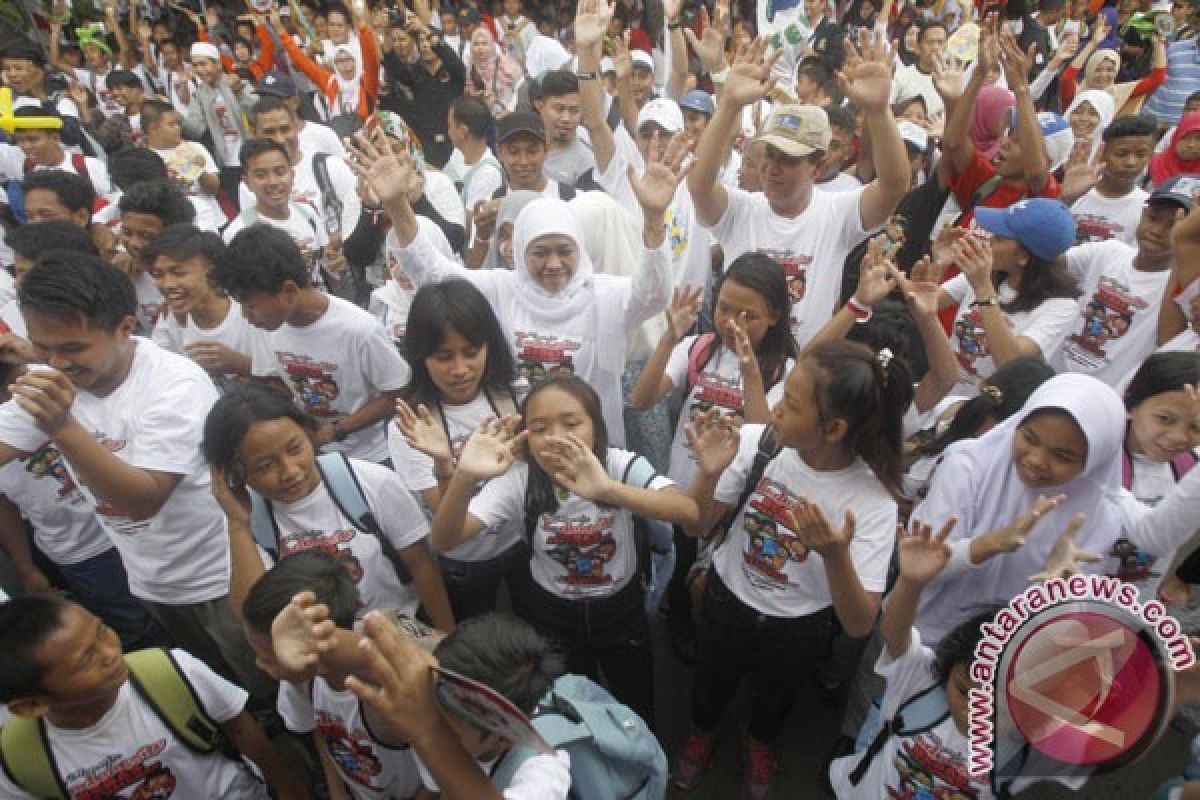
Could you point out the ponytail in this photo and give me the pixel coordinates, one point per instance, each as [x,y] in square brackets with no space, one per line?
[871,392]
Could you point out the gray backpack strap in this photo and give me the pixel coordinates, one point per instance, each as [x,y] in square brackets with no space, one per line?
[343,486]
[331,204]
[262,523]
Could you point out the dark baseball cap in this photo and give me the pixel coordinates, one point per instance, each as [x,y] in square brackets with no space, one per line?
[277,84]
[520,122]
[1177,190]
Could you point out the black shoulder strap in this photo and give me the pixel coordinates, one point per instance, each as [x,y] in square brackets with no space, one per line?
[566,191]
[768,448]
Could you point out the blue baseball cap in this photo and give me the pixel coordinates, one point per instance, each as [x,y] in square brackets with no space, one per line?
[1177,190]
[1043,227]
[697,100]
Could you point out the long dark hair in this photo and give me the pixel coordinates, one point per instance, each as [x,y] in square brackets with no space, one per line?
[1161,373]
[870,391]
[454,305]
[764,276]
[1040,281]
[539,491]
[233,414]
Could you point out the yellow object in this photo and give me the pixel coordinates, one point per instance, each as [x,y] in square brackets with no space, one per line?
[10,122]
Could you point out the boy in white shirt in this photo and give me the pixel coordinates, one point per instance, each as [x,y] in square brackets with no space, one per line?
[63,668]
[336,358]
[1109,204]
[146,209]
[43,149]
[127,417]
[189,164]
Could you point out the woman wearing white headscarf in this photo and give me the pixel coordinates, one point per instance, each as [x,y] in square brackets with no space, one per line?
[1088,116]
[1071,427]
[558,314]
[499,254]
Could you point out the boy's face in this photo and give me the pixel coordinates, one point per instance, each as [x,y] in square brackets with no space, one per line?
[1154,228]
[207,70]
[82,663]
[130,97]
[40,147]
[90,358]
[269,311]
[958,689]
[21,74]
[1127,157]
[269,177]
[183,284]
[561,116]
[167,133]
[43,205]
[280,126]
[138,230]
[523,156]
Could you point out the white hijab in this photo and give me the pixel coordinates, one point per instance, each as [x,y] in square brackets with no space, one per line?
[543,217]
[1103,104]
[980,473]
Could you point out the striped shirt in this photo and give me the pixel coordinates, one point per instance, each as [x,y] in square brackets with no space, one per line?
[1183,78]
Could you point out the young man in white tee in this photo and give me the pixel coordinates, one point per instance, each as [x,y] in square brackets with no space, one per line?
[63,668]
[807,230]
[127,418]
[336,359]
[1122,290]
[1107,204]
[472,166]
[43,149]
[314,137]
[189,164]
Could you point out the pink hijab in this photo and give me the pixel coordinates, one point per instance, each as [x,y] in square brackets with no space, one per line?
[991,106]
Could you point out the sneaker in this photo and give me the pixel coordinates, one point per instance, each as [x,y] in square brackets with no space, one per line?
[761,768]
[694,761]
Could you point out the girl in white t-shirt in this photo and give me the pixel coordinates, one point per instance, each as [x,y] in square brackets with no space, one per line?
[738,368]
[1157,453]
[813,522]
[256,439]
[462,375]
[575,498]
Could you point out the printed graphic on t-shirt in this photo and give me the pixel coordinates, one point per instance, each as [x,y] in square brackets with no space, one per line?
[312,382]
[326,542]
[677,233]
[351,753]
[115,775]
[770,542]
[221,112]
[1130,564]
[583,546]
[714,391]
[795,267]
[1093,228]
[541,355]
[1107,316]
[972,341]
[928,769]
[47,462]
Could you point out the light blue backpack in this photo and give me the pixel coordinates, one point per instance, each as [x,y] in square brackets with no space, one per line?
[614,756]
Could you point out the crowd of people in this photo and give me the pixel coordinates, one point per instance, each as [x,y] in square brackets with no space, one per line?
[820,331]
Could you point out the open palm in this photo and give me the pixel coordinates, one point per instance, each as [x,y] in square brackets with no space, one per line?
[867,77]
[714,440]
[490,451]
[655,187]
[591,21]
[922,555]
[1065,558]
[422,431]
[574,466]
[389,174]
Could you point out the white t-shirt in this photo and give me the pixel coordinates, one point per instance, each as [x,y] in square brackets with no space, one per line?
[149,302]
[303,224]
[12,165]
[416,470]
[811,247]
[182,159]
[719,384]
[334,367]
[762,560]
[317,138]
[155,421]
[909,81]
[130,752]
[935,760]
[1047,325]
[10,315]
[542,777]
[1099,218]
[582,550]
[479,180]
[841,182]
[1119,311]
[570,164]
[370,769]
[307,191]
[234,332]
[316,523]
[64,523]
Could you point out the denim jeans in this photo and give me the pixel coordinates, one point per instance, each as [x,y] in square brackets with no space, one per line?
[607,637]
[101,586]
[776,654]
[472,585]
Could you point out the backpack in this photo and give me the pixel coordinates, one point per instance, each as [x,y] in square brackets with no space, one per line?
[701,352]
[486,161]
[923,711]
[25,752]
[566,191]
[347,493]
[614,756]
[1180,465]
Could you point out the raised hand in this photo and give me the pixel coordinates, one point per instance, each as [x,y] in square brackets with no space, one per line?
[743,348]
[876,275]
[948,81]
[490,451]
[988,53]
[1016,63]
[922,554]
[672,10]
[973,255]
[591,21]
[1082,172]
[814,530]
[655,187]
[574,467]
[714,440]
[922,289]
[1065,558]
[300,634]
[866,78]
[1012,537]
[401,687]
[231,494]
[750,79]
[683,310]
[710,46]
[388,173]
[423,432]
[622,58]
